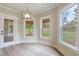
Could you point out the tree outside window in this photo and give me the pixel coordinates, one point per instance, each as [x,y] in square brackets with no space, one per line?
[69,22]
[29,28]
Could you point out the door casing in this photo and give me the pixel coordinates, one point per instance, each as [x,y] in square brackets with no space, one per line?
[2,44]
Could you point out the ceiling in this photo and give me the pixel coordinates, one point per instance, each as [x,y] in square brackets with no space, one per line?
[33,7]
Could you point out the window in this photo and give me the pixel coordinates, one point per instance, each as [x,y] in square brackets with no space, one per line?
[10,26]
[45,27]
[28,28]
[8,30]
[68,25]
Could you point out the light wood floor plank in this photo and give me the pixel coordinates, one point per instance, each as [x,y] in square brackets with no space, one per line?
[28,50]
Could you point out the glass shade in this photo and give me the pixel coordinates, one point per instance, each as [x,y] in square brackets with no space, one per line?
[27,15]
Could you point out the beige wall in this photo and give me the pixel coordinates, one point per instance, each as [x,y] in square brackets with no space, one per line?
[63,48]
[50,41]
[54,41]
[18,26]
[30,39]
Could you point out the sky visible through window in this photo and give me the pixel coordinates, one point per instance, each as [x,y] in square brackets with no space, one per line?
[69,14]
[69,22]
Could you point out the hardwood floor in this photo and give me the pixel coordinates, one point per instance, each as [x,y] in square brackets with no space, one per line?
[28,50]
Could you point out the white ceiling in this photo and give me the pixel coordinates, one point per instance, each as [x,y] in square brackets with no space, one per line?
[33,7]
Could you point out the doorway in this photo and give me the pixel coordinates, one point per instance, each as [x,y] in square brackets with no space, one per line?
[6,32]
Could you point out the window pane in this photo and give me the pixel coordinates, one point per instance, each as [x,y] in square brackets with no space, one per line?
[29,28]
[69,25]
[46,27]
[8,30]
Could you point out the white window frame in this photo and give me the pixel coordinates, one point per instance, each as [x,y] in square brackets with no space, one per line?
[41,27]
[60,35]
[25,30]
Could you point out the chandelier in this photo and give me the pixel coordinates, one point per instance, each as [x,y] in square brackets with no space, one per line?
[27,14]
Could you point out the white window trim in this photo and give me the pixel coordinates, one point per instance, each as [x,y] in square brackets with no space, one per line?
[25,30]
[41,27]
[60,35]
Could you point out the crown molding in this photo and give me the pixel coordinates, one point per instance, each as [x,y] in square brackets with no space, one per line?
[32,12]
[9,9]
[39,12]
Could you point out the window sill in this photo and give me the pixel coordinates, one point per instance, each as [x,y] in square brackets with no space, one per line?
[68,45]
[47,38]
[73,48]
